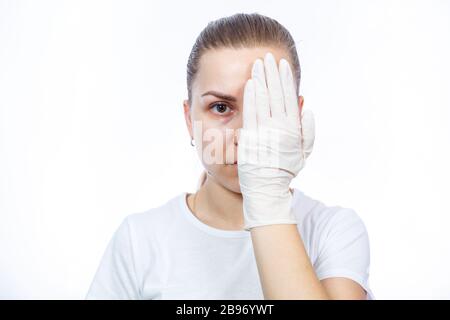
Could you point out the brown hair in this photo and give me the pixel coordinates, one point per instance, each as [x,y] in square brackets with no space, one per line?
[241,30]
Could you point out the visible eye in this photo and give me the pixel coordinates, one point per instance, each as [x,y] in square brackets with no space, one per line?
[220,107]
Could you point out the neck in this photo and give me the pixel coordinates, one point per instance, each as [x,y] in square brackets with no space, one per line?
[218,206]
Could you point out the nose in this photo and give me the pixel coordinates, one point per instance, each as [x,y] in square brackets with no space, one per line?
[238,128]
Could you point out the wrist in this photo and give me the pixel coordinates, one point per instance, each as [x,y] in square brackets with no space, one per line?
[268,210]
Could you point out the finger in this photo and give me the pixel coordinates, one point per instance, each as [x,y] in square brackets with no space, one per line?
[290,95]
[276,98]
[261,94]
[308,132]
[249,113]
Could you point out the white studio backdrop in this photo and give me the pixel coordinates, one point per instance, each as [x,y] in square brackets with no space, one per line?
[92,129]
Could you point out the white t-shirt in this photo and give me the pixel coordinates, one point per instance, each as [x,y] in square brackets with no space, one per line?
[168,253]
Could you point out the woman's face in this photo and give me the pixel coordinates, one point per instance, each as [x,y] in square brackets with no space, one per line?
[213,120]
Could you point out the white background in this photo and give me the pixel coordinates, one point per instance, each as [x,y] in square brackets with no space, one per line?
[92,129]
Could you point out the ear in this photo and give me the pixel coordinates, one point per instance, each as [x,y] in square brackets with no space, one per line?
[187,116]
[300,104]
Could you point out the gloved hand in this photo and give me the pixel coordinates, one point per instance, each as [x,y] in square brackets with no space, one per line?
[273,143]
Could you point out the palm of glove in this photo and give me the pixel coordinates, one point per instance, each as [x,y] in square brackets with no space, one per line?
[273,143]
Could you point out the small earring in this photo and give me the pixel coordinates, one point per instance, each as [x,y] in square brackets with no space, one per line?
[192,139]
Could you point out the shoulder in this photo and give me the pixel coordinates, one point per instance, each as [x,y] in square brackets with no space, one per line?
[133,251]
[327,229]
[156,220]
[317,215]
[336,239]
[163,211]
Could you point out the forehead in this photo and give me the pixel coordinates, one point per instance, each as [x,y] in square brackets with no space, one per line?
[227,69]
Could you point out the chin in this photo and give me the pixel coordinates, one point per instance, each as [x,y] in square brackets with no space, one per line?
[227,176]
[234,186]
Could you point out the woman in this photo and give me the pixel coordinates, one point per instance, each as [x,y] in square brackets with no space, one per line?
[244,234]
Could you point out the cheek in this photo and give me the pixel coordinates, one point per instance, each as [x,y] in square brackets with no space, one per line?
[215,145]
[215,130]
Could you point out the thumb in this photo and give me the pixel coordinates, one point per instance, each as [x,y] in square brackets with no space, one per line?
[308,131]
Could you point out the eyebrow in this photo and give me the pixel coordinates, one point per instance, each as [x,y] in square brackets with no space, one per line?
[220,95]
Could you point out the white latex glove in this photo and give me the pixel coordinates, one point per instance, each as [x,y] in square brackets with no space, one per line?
[273,143]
